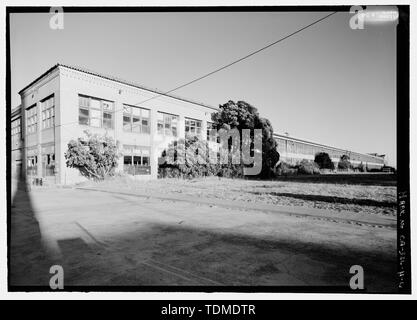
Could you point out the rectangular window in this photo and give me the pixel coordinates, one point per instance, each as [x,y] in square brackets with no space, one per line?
[16,131]
[210,126]
[167,124]
[127,160]
[136,119]
[136,160]
[32,119]
[48,164]
[32,168]
[48,112]
[192,127]
[95,112]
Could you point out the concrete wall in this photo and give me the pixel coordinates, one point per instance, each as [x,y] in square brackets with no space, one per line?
[32,96]
[72,83]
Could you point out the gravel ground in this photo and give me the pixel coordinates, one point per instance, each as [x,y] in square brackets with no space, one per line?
[380,200]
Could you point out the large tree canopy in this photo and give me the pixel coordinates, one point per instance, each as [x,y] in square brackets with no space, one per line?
[241,115]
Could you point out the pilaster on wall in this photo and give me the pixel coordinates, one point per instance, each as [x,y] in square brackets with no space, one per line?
[204,130]
[154,146]
[58,137]
[39,136]
[118,127]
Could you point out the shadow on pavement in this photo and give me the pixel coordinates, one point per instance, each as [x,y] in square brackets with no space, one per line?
[26,242]
[178,255]
[331,199]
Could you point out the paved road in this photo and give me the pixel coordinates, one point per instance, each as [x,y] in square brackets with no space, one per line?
[114,239]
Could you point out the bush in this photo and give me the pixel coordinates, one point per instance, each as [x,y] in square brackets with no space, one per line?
[94,156]
[344,163]
[308,167]
[284,169]
[323,160]
[196,163]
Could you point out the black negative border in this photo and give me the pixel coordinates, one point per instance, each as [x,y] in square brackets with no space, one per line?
[403,148]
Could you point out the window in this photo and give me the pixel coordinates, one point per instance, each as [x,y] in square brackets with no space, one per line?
[210,126]
[48,113]
[95,112]
[192,127]
[136,119]
[32,119]
[16,131]
[32,168]
[48,164]
[16,127]
[136,160]
[167,124]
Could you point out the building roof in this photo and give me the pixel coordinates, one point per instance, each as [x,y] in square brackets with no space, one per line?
[122,81]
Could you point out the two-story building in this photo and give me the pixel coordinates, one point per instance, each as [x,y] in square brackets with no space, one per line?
[65,101]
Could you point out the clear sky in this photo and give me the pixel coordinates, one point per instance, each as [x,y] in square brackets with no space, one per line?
[329,84]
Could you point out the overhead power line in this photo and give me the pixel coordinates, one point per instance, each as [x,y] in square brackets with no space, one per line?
[238,60]
[227,65]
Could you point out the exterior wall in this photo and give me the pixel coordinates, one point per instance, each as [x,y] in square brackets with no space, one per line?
[293,151]
[66,84]
[16,148]
[42,139]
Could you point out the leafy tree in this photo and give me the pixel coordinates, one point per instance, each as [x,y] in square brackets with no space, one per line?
[344,162]
[94,156]
[324,161]
[241,115]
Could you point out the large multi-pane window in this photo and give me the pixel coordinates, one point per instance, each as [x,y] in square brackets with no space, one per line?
[16,130]
[48,112]
[95,112]
[32,168]
[192,127]
[31,119]
[136,160]
[167,124]
[48,164]
[136,119]
[210,137]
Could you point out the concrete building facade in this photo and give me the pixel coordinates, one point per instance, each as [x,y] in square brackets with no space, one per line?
[293,150]
[65,101]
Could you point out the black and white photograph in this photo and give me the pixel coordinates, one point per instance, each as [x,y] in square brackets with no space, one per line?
[208,149]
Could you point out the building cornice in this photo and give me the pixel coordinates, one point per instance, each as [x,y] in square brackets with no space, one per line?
[114,79]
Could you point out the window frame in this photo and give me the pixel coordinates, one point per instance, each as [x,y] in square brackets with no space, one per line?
[168,125]
[48,113]
[195,125]
[89,108]
[139,117]
[210,126]
[32,119]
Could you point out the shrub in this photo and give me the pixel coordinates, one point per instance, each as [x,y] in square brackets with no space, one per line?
[323,160]
[344,163]
[94,156]
[196,163]
[285,169]
[308,167]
